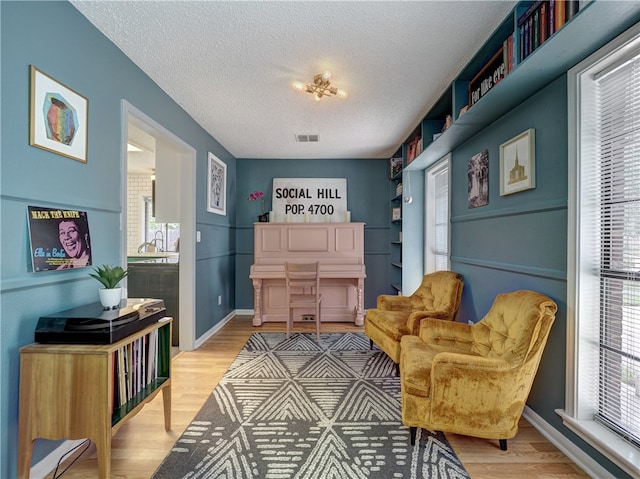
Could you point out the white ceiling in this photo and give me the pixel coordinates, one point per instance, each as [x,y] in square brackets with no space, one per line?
[231,65]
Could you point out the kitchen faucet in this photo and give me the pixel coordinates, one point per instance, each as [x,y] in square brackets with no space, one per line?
[156,239]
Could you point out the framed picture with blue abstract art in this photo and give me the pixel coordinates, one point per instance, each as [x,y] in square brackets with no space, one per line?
[57,117]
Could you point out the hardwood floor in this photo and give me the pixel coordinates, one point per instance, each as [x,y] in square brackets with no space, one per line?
[141,444]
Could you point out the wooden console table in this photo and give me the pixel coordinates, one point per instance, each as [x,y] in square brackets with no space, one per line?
[77,391]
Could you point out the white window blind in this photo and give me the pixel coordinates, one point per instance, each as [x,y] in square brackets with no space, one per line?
[616,186]
[437,221]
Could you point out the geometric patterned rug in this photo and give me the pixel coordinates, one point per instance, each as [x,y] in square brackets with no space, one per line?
[299,408]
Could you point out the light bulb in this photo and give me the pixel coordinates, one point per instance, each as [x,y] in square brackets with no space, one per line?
[298,85]
[342,94]
[326,75]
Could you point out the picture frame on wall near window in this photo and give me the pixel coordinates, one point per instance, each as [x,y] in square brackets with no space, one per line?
[58,117]
[518,163]
[216,185]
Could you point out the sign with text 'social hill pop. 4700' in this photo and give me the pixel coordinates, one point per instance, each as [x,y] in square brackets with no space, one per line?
[310,199]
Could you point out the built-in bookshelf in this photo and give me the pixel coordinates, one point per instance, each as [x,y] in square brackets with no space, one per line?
[396,164]
[458,115]
[76,391]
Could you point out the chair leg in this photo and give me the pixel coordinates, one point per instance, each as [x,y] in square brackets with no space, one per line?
[397,369]
[503,444]
[371,344]
[289,324]
[412,432]
[318,322]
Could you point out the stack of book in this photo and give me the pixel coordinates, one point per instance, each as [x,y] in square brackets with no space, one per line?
[414,148]
[541,20]
[395,167]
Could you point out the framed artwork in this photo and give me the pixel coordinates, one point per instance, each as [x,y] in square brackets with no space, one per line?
[217,186]
[59,239]
[58,117]
[478,180]
[517,163]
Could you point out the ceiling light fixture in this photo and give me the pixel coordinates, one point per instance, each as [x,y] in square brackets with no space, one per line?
[321,87]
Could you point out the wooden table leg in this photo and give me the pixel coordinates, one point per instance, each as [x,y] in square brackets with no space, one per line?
[166,401]
[25,452]
[103,447]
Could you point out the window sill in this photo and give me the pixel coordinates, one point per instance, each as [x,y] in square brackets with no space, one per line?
[620,452]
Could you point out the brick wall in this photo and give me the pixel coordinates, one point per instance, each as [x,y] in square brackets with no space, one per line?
[138,186]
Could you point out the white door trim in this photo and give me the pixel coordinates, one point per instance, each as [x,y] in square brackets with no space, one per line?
[187,158]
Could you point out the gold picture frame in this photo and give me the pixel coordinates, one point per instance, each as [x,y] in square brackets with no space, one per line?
[518,163]
[58,117]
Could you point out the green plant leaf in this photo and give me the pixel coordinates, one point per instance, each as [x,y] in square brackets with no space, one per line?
[109,276]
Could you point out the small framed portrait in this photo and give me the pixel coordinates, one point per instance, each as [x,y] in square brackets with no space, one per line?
[58,117]
[518,163]
[478,180]
[217,186]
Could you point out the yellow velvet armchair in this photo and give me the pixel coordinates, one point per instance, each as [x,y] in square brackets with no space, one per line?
[437,297]
[475,379]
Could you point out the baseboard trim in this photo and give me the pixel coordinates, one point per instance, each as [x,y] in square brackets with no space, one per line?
[217,327]
[568,448]
[47,464]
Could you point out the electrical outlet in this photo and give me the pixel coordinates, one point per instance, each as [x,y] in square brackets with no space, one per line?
[308,317]
[219,299]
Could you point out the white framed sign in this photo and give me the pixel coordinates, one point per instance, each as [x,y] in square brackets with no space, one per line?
[311,200]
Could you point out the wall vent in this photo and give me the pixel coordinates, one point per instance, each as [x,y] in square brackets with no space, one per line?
[307,138]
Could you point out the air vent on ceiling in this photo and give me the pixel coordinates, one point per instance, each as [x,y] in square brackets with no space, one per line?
[307,138]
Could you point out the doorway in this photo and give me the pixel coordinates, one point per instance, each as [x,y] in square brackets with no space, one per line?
[182,167]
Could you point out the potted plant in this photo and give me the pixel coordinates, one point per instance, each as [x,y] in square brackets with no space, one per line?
[110,277]
[255,196]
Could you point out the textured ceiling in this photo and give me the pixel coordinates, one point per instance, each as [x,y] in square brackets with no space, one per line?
[231,64]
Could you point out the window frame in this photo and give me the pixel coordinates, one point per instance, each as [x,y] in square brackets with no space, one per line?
[430,213]
[581,394]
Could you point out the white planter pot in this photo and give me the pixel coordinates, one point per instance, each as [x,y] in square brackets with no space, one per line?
[110,298]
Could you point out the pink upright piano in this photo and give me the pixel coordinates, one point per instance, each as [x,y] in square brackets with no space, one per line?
[339,247]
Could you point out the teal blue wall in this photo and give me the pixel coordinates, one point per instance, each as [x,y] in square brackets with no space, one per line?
[56,38]
[519,241]
[367,199]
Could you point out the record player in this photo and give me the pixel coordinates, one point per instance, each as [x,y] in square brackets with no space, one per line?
[90,324]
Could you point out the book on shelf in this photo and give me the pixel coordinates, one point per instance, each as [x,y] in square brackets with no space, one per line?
[414,148]
[560,14]
[398,189]
[508,59]
[395,166]
[396,213]
[541,20]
